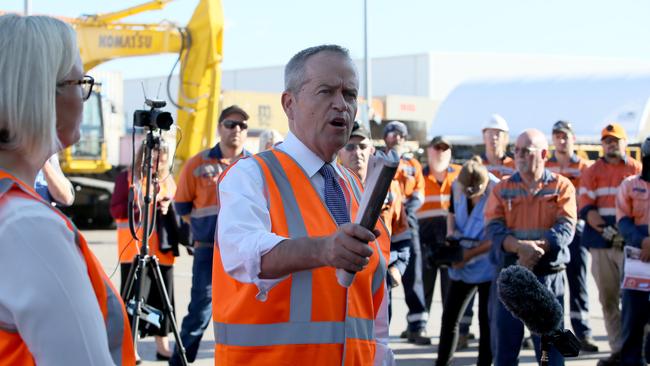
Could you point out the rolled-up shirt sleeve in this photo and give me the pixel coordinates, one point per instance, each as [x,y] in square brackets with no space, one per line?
[244,225]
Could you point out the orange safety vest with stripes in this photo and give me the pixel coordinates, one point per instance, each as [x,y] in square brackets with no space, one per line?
[308,317]
[436,195]
[576,166]
[128,247]
[14,351]
[503,170]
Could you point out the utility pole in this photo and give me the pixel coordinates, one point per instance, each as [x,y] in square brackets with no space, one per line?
[28,6]
[366,70]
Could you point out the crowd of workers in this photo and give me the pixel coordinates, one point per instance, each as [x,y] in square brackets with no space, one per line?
[269,231]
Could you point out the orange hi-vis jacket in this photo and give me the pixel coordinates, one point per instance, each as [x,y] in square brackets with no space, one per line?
[14,351]
[410,178]
[308,318]
[505,169]
[127,247]
[598,189]
[573,171]
[436,195]
[393,214]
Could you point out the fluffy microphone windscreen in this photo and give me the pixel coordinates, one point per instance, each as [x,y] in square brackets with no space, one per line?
[528,300]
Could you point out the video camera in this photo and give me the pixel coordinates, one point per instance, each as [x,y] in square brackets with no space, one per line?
[154,118]
[451,252]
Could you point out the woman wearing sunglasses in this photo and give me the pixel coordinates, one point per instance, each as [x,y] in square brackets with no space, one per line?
[57,306]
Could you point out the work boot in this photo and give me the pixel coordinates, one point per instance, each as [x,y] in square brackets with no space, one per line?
[527,343]
[587,345]
[419,337]
[613,360]
[404,334]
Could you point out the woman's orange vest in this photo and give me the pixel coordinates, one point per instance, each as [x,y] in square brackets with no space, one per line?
[13,351]
[307,318]
[127,247]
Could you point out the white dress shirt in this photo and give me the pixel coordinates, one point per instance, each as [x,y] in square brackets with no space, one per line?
[45,292]
[244,223]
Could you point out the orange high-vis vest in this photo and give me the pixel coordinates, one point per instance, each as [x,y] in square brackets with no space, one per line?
[13,351]
[308,318]
[128,247]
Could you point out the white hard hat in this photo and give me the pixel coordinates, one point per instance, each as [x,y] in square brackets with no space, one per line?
[497,122]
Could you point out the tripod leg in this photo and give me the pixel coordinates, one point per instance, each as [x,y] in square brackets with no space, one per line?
[140,275]
[168,309]
[128,284]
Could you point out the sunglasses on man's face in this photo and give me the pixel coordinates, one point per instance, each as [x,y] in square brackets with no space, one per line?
[230,124]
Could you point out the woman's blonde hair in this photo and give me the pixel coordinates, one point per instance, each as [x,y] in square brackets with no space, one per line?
[37,52]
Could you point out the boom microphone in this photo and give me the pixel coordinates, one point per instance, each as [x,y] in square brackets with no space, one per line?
[532,303]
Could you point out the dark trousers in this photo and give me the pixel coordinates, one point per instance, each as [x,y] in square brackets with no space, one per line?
[635,314]
[458,298]
[576,273]
[199,311]
[412,281]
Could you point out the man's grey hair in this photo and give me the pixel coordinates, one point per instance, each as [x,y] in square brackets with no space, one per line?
[294,72]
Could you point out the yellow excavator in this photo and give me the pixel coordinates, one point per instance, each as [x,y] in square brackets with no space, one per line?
[104,37]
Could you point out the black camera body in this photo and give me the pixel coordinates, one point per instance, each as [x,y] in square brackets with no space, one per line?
[154,118]
[449,253]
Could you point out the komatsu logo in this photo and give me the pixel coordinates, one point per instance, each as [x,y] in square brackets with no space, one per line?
[134,41]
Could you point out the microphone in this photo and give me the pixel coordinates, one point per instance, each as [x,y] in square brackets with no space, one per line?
[532,303]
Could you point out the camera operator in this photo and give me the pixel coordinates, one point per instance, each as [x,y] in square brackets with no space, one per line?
[465,224]
[57,305]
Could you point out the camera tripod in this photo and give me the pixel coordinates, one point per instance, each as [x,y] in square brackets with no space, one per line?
[143,261]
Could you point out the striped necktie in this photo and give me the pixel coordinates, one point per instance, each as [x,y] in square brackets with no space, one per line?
[334,198]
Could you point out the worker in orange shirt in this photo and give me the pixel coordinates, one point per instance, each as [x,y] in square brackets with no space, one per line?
[633,217]
[411,182]
[495,137]
[355,156]
[531,218]
[597,206]
[567,163]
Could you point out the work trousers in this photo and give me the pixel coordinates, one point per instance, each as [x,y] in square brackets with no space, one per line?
[199,311]
[576,273]
[458,299]
[607,269]
[507,332]
[636,314]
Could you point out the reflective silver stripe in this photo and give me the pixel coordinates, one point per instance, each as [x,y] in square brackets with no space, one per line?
[8,328]
[359,328]
[606,191]
[589,193]
[353,183]
[301,282]
[122,224]
[417,317]
[529,234]
[607,211]
[114,325]
[204,211]
[425,214]
[279,333]
[5,185]
[380,272]
[437,198]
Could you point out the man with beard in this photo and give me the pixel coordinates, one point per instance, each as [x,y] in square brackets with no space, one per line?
[284,229]
[597,206]
[355,156]
[633,217]
[531,219]
[196,202]
[567,163]
[495,138]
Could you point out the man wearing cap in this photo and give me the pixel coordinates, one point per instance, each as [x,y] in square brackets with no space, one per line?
[411,182]
[432,223]
[567,163]
[495,138]
[531,219]
[597,206]
[633,217]
[285,231]
[355,156]
[196,202]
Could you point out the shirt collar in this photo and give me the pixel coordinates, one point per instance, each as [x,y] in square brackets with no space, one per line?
[307,159]
[574,159]
[215,153]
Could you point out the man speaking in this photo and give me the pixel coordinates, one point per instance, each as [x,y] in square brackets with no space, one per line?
[284,227]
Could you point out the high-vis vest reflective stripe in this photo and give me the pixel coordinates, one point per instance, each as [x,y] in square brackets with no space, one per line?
[307,318]
[127,247]
[13,351]
[437,196]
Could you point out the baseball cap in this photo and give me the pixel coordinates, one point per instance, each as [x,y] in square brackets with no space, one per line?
[360,131]
[614,130]
[496,122]
[233,109]
[563,126]
[396,126]
[440,140]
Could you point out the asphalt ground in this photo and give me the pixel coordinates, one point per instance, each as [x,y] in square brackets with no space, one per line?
[103,244]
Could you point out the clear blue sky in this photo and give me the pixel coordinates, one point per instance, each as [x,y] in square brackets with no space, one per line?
[267,32]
